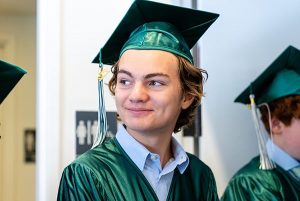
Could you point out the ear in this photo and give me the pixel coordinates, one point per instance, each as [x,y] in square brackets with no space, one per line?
[187,101]
[277,126]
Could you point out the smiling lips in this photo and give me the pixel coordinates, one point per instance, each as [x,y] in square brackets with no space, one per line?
[139,111]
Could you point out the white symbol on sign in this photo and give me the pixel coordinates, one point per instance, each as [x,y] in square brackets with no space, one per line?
[81,132]
[94,129]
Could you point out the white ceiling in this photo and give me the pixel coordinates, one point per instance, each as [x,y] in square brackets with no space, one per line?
[18,7]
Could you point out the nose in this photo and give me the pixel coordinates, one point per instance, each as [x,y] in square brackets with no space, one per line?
[139,93]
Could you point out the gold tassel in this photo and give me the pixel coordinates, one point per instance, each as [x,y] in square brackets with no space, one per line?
[102,73]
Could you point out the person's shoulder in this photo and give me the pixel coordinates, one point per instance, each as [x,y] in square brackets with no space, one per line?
[200,175]
[249,181]
[250,168]
[195,164]
[98,156]
[195,161]
[251,173]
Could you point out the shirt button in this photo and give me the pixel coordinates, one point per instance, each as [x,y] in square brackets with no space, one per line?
[153,157]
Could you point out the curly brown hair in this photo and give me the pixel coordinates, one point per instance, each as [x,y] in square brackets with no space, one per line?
[284,109]
[192,79]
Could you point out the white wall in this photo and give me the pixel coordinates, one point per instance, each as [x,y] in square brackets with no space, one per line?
[245,39]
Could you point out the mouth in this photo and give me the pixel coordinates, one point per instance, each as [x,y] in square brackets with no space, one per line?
[139,111]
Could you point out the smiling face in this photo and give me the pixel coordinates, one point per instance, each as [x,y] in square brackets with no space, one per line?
[148,92]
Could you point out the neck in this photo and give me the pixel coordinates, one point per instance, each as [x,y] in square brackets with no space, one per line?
[284,145]
[158,144]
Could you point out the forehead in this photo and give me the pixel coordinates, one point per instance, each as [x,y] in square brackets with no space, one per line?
[145,60]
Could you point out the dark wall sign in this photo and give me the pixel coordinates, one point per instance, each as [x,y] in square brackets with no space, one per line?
[87,128]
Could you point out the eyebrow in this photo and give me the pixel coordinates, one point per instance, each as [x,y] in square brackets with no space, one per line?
[147,76]
[125,72]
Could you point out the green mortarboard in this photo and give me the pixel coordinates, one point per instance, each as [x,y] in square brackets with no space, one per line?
[152,25]
[280,79]
[9,77]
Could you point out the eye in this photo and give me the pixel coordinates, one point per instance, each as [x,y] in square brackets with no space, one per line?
[155,83]
[124,82]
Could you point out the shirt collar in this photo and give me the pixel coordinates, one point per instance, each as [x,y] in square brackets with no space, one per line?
[135,150]
[280,157]
[180,156]
[138,153]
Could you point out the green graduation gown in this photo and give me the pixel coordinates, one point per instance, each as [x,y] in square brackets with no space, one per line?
[251,183]
[107,173]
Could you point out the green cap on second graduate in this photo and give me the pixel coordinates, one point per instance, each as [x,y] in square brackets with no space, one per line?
[280,79]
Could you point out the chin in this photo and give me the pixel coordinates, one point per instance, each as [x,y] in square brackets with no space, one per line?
[137,127]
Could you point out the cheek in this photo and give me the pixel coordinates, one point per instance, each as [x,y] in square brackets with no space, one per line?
[118,98]
[170,102]
[296,130]
[297,135]
[120,94]
[293,136]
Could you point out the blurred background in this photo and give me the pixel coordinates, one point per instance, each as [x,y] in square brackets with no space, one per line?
[18,111]
[55,41]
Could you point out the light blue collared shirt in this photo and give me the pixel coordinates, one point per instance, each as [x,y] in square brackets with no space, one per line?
[280,157]
[149,163]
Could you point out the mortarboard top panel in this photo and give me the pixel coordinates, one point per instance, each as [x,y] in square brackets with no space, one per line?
[280,79]
[9,77]
[190,23]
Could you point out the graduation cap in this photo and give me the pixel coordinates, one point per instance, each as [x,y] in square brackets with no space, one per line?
[155,26]
[9,77]
[280,79]
[152,25]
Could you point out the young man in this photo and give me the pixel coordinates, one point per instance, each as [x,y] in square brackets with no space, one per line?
[9,77]
[275,175]
[157,90]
